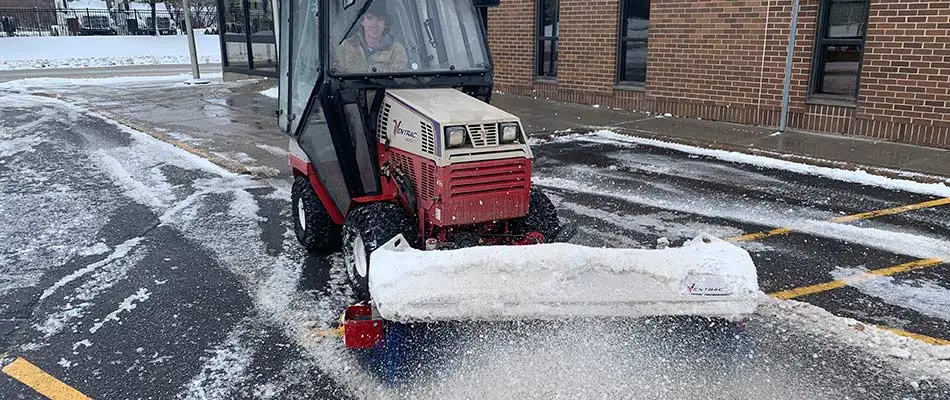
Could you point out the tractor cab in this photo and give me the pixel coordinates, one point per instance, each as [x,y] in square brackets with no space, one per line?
[339,59]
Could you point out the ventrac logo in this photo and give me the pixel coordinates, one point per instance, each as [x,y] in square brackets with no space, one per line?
[705,286]
[398,130]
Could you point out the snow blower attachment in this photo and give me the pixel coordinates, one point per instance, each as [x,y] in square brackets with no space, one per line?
[400,161]
[706,277]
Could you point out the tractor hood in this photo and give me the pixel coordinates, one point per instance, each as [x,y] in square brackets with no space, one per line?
[447,106]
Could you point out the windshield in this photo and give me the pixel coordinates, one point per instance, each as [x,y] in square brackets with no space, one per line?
[406,36]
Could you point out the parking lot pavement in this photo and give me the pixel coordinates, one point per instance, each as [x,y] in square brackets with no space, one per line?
[215,249]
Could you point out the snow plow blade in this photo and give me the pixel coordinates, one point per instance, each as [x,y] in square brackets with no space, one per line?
[706,277]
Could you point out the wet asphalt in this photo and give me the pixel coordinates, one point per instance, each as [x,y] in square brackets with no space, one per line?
[197,289]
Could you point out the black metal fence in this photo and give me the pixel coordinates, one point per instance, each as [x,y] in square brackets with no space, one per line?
[85,21]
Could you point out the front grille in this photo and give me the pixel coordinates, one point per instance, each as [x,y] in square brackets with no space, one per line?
[483,135]
[482,179]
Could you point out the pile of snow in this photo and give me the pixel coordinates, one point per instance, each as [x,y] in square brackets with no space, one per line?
[706,276]
[104,51]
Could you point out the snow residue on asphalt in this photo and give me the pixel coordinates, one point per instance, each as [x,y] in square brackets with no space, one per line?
[127,305]
[922,296]
[224,369]
[10,147]
[149,189]
[56,321]
[98,277]
[277,151]
[43,221]
[96,249]
[861,177]
[273,92]
[45,84]
[104,51]
[660,224]
[914,358]
[798,220]
[120,251]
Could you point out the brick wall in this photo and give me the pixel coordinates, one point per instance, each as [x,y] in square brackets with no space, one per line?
[725,60]
[906,72]
[511,36]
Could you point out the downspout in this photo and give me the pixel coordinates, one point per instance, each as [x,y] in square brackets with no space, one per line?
[788,66]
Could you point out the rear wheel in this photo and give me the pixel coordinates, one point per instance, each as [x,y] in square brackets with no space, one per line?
[366,229]
[313,226]
[542,217]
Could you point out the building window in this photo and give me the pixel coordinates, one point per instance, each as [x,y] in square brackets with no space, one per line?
[634,32]
[548,15]
[838,48]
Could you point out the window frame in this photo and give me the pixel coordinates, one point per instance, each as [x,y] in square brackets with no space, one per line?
[540,40]
[622,40]
[817,73]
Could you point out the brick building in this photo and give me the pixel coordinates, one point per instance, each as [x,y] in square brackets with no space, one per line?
[874,68]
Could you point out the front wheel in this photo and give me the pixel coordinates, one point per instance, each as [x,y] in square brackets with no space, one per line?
[542,217]
[366,229]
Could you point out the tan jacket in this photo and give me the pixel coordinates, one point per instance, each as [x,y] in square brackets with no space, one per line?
[350,57]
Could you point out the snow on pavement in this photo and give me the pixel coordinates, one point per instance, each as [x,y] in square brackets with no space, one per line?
[861,177]
[923,296]
[913,245]
[565,360]
[103,51]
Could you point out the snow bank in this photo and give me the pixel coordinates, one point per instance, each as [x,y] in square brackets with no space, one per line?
[104,51]
[860,177]
[706,276]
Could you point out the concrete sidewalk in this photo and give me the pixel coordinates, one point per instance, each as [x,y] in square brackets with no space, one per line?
[542,117]
[233,124]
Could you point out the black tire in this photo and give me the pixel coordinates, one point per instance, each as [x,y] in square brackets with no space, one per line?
[373,225]
[315,231]
[542,217]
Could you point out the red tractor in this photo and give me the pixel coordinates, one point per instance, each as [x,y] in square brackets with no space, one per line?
[395,150]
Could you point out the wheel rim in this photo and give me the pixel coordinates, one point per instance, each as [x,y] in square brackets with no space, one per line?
[359,256]
[301,214]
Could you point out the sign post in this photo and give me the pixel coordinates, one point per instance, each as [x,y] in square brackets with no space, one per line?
[195,73]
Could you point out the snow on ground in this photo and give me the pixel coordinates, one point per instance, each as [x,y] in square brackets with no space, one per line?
[914,245]
[42,220]
[127,305]
[923,296]
[272,92]
[861,177]
[915,358]
[224,368]
[104,51]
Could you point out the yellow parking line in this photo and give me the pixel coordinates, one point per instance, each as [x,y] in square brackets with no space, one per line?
[895,210]
[849,218]
[824,287]
[922,338]
[40,381]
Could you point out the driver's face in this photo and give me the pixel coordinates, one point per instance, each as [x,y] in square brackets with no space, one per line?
[373,26]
